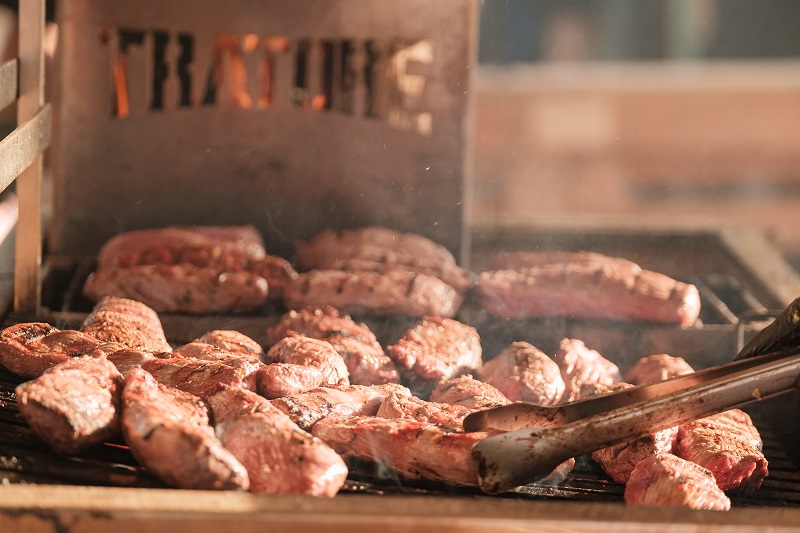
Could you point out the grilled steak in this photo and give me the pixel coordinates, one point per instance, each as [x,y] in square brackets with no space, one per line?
[233,342]
[455,276]
[448,417]
[246,236]
[585,285]
[278,272]
[415,450]
[657,368]
[125,358]
[469,392]
[180,288]
[583,369]
[433,349]
[398,292]
[308,408]
[29,349]
[522,372]
[281,379]
[73,405]
[126,321]
[301,350]
[203,378]
[280,458]
[666,480]
[169,434]
[728,444]
[365,359]
[209,352]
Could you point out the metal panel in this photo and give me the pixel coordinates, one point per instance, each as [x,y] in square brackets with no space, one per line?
[296,117]
[8,83]
[23,145]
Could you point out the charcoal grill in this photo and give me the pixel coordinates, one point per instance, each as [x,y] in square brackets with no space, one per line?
[741,279]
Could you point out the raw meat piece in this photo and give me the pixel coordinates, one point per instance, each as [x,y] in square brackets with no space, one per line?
[448,417]
[469,392]
[657,368]
[522,372]
[301,350]
[30,348]
[126,321]
[582,369]
[281,379]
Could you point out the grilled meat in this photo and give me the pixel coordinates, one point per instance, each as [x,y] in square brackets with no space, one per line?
[125,358]
[282,379]
[379,261]
[448,417]
[209,352]
[301,350]
[366,362]
[169,434]
[468,392]
[180,288]
[202,377]
[278,272]
[728,444]
[398,292]
[233,342]
[29,349]
[657,368]
[308,408]
[73,405]
[246,236]
[433,349]
[666,480]
[522,372]
[280,458]
[585,285]
[126,321]
[582,369]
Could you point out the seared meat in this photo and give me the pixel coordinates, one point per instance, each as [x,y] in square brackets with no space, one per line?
[169,434]
[233,342]
[448,417]
[415,450]
[582,369]
[301,350]
[31,348]
[365,359]
[308,408]
[125,358]
[469,392]
[208,352]
[203,378]
[657,368]
[522,372]
[278,272]
[398,292]
[585,285]
[180,288]
[246,236]
[280,458]
[433,349]
[73,405]
[282,379]
[126,321]
[455,276]
[666,480]
[728,444]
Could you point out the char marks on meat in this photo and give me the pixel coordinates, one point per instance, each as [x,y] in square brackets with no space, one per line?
[29,349]
[73,405]
[583,369]
[657,368]
[180,288]
[282,379]
[233,342]
[398,292]
[169,434]
[433,349]
[366,362]
[522,372]
[203,377]
[469,392]
[586,285]
[666,480]
[448,417]
[455,276]
[727,444]
[128,322]
[301,350]
[280,458]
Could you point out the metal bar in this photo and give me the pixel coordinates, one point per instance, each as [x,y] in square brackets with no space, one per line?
[28,253]
[21,148]
[8,83]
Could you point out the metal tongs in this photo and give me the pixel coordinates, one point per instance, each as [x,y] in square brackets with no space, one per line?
[539,438]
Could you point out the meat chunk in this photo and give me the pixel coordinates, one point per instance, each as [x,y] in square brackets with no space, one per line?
[657,368]
[379,261]
[522,372]
[233,342]
[73,405]
[398,292]
[469,392]
[727,444]
[415,450]
[308,408]
[446,416]
[280,458]
[278,272]
[209,352]
[180,288]
[30,348]
[436,348]
[583,369]
[203,378]
[366,362]
[301,350]
[169,434]
[126,359]
[585,285]
[666,480]
[128,322]
[282,379]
